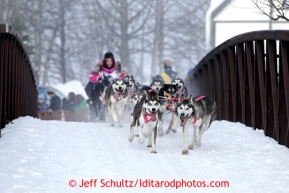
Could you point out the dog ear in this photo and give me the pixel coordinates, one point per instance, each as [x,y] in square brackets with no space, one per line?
[191,99]
[148,94]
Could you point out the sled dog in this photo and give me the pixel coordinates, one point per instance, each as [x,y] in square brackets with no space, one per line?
[157,83]
[145,113]
[200,112]
[168,102]
[180,87]
[130,83]
[116,95]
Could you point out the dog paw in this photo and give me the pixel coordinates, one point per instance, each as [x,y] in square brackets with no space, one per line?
[154,151]
[174,130]
[136,135]
[198,143]
[111,124]
[168,131]
[191,147]
[141,140]
[185,152]
[130,139]
[120,124]
[149,145]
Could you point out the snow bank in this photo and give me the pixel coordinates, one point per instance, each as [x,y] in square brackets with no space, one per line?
[72,86]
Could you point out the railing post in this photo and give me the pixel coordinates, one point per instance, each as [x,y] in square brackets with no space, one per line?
[250,67]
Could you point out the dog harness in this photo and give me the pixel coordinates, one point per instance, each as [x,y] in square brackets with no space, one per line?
[194,113]
[199,98]
[147,117]
[169,107]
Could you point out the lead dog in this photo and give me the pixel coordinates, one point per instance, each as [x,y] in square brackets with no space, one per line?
[200,112]
[116,95]
[145,113]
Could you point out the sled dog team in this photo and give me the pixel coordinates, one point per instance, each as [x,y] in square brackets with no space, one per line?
[150,103]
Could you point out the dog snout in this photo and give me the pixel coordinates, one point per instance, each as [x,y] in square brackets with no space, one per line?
[153,109]
[120,88]
[182,114]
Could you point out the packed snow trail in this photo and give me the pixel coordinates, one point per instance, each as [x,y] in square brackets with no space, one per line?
[44,156]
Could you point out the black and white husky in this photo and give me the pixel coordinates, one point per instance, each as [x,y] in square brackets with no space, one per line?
[145,113]
[200,112]
[180,86]
[157,83]
[116,95]
[130,83]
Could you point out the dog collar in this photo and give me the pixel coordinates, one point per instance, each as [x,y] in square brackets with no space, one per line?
[194,115]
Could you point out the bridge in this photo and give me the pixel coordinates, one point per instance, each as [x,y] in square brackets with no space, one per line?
[247,75]
[18,92]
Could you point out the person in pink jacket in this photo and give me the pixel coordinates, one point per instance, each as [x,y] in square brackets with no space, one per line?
[107,66]
[94,88]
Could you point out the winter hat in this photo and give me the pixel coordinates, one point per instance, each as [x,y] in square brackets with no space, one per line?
[50,90]
[167,63]
[41,96]
[93,77]
[108,55]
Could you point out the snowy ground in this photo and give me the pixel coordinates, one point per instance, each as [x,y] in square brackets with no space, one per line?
[44,156]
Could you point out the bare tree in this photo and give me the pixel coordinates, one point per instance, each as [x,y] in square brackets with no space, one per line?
[277,8]
[157,37]
[125,22]
[70,37]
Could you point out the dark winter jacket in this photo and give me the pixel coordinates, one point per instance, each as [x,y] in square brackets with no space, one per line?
[55,103]
[68,104]
[89,90]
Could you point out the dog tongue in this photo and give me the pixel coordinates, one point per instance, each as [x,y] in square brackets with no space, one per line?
[153,116]
[116,94]
[184,121]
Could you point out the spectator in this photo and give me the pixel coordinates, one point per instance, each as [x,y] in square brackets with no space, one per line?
[42,105]
[79,108]
[168,75]
[55,101]
[69,103]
